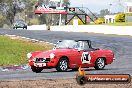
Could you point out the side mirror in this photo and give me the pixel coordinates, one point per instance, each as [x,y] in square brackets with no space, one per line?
[79,49]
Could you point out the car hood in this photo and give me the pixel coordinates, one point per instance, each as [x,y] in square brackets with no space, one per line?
[46,54]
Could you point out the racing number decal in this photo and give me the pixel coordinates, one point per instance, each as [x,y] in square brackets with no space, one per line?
[85,58]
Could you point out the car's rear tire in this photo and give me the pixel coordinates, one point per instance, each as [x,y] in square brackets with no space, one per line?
[36,69]
[62,65]
[26,27]
[100,64]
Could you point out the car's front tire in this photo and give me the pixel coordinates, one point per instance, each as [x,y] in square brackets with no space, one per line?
[36,69]
[62,65]
[100,64]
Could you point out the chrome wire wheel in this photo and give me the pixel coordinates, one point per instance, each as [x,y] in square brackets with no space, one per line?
[100,64]
[62,65]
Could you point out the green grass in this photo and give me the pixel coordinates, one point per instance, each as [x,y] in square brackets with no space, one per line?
[14,51]
[115,24]
[121,24]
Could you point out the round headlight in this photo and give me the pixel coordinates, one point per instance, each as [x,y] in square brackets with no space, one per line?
[34,59]
[29,55]
[52,55]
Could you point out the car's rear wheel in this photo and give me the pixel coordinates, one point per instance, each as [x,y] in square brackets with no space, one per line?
[26,27]
[62,65]
[36,69]
[100,64]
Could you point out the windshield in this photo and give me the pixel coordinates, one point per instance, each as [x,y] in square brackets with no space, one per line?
[67,44]
[19,22]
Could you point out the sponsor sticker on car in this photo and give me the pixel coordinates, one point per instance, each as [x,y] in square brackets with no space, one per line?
[85,58]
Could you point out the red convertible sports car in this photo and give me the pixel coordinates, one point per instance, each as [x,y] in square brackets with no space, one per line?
[70,54]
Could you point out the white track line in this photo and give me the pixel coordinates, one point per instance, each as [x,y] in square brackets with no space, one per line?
[33,40]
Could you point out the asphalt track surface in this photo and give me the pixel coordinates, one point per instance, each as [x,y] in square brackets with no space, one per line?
[121,45]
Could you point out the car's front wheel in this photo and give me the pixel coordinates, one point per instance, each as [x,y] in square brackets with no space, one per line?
[100,64]
[62,65]
[36,69]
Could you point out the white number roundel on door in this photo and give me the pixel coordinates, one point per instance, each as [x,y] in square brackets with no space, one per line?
[85,58]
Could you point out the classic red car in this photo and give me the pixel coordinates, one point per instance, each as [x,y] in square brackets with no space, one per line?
[70,54]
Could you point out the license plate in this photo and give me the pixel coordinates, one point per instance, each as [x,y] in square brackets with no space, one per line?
[39,64]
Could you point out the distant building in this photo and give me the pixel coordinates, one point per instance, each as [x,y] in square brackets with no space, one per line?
[109,19]
[128,7]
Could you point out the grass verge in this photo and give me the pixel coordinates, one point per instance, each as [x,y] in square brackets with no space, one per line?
[115,24]
[121,24]
[13,51]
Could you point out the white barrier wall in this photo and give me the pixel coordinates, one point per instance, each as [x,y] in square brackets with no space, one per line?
[37,27]
[105,29]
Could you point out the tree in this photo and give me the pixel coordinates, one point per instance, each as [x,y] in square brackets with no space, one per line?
[66,3]
[100,21]
[2,20]
[120,17]
[9,8]
[104,12]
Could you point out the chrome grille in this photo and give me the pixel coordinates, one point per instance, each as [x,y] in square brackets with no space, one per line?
[42,60]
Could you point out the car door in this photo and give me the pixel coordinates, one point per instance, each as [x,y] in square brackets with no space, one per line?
[75,60]
[81,56]
[86,55]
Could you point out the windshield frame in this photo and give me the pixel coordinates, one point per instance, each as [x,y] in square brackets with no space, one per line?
[70,44]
